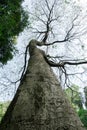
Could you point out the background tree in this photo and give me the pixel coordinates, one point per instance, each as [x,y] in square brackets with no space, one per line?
[13,19]
[75,97]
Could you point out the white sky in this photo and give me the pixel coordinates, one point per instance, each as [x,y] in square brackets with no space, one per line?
[81,2]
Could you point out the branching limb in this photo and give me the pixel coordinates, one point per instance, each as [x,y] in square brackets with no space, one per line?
[49,20]
[63,63]
[57,41]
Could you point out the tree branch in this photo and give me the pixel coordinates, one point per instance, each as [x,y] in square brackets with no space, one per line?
[63,63]
[57,41]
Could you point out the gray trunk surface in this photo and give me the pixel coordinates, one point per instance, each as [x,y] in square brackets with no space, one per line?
[40,103]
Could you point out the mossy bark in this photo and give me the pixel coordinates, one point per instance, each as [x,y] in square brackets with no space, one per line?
[40,103]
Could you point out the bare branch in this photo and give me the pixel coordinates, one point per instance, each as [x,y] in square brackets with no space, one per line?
[38,17]
[63,63]
[68,35]
[47,5]
[58,57]
[49,20]
[61,41]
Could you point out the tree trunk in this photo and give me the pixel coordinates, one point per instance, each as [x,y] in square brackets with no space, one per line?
[40,103]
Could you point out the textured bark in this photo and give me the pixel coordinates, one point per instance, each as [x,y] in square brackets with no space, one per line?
[40,103]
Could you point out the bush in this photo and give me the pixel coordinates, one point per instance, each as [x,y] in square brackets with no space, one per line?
[83,116]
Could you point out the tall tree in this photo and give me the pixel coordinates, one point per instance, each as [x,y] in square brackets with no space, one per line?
[40,103]
[13,19]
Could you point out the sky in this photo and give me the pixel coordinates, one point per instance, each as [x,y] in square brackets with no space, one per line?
[82,3]
[7,93]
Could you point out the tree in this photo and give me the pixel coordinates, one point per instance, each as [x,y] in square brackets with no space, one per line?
[75,97]
[13,19]
[40,103]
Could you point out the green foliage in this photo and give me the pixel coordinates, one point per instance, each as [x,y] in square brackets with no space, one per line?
[3,108]
[13,19]
[83,116]
[74,96]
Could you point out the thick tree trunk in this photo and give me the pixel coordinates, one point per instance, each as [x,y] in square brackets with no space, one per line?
[40,103]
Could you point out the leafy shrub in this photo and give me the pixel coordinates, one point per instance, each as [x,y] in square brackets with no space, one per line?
[83,116]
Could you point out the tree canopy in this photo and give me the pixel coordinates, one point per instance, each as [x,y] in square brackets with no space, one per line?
[13,19]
